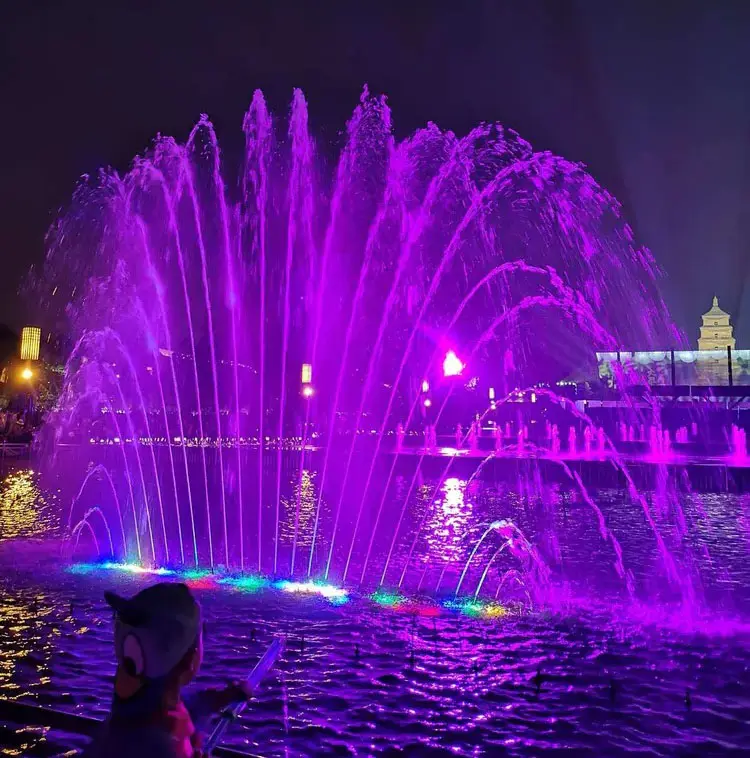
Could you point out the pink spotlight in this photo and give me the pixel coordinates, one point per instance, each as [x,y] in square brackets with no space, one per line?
[452,365]
[308,391]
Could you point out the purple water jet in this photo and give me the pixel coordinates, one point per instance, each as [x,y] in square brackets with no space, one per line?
[437,289]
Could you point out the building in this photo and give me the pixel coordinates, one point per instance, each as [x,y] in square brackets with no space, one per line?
[716,330]
[715,363]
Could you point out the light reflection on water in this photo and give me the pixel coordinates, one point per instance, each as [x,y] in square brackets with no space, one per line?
[55,634]
[25,510]
[416,682]
[29,637]
[445,532]
[305,493]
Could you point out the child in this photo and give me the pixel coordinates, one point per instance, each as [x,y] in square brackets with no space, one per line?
[158,644]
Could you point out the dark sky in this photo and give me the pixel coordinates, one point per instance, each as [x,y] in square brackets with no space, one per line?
[652,96]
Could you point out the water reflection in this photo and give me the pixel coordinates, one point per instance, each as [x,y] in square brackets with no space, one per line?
[27,634]
[305,493]
[446,529]
[25,510]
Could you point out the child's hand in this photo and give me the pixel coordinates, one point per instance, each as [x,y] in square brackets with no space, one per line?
[238,691]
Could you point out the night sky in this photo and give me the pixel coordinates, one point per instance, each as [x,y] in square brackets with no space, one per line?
[653,96]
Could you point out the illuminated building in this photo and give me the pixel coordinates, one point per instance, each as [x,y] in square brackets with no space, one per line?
[716,362]
[31,338]
[716,330]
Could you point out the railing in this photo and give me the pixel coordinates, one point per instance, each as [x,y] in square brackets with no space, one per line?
[14,449]
[15,714]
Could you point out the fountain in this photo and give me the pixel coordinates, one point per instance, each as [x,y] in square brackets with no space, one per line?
[555,440]
[738,443]
[473,437]
[459,435]
[400,436]
[280,373]
[499,439]
[256,350]
[572,441]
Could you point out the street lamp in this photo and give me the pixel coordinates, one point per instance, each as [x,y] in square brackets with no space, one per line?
[26,373]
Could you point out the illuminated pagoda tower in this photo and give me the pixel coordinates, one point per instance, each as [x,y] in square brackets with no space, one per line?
[716,330]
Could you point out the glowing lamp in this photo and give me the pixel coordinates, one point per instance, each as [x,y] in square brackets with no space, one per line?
[492,393]
[425,386]
[27,373]
[427,402]
[308,391]
[452,365]
[306,373]
[31,337]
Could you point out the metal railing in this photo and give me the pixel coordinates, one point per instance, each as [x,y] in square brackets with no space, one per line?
[14,449]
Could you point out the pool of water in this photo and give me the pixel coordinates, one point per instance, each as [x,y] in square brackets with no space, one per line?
[596,672]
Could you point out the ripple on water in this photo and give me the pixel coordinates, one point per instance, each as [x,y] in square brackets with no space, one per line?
[471,685]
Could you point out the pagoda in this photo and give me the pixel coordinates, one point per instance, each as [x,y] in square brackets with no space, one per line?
[716,330]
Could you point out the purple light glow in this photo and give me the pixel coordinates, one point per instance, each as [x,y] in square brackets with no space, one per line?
[452,365]
[197,302]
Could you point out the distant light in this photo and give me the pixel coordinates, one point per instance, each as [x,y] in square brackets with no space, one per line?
[389,599]
[249,583]
[128,568]
[533,397]
[427,402]
[306,373]
[492,393]
[452,365]
[425,386]
[31,338]
[328,591]
[308,391]
[27,373]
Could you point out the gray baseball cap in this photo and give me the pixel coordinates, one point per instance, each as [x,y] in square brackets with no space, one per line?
[155,629]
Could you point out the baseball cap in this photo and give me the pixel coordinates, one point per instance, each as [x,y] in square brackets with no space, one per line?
[155,629]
